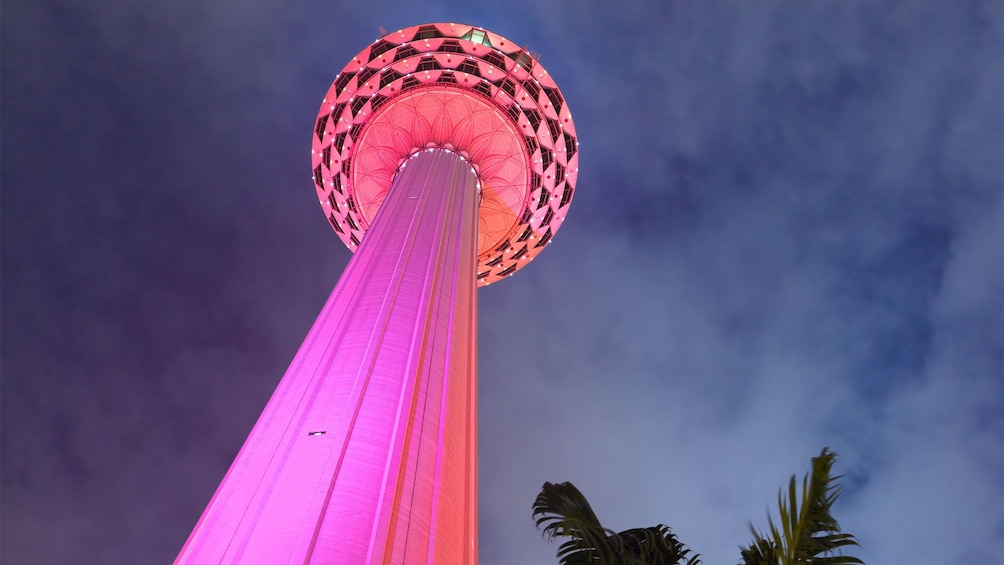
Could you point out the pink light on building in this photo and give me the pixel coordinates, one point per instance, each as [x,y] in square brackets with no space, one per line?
[445,157]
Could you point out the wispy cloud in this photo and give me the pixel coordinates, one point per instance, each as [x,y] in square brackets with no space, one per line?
[787,234]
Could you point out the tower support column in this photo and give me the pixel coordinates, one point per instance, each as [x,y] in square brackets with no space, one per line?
[367,451]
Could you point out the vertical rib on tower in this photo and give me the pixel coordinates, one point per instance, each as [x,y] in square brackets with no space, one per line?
[366,452]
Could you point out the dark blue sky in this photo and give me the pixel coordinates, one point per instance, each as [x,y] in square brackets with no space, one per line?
[787,234]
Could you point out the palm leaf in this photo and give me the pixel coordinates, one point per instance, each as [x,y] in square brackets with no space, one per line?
[806,533]
[656,545]
[761,552]
[562,511]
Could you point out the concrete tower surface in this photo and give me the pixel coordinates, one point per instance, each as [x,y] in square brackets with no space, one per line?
[445,157]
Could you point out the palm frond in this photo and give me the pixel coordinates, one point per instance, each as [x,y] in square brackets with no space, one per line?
[807,533]
[760,552]
[562,511]
[655,545]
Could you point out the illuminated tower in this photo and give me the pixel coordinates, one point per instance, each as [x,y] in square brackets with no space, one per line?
[453,151]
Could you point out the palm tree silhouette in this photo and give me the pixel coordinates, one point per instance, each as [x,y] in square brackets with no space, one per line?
[806,532]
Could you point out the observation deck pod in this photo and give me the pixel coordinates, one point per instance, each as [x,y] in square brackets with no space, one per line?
[461,88]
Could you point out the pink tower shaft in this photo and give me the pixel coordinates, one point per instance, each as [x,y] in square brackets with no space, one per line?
[367,451]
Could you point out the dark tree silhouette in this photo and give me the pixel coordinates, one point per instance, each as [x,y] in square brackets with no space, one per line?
[806,532]
[564,512]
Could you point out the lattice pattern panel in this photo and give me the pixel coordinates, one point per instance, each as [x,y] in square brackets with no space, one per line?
[466,89]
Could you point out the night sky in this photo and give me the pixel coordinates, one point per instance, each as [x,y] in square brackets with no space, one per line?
[787,234]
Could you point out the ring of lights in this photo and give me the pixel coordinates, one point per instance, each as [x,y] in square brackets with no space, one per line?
[461,88]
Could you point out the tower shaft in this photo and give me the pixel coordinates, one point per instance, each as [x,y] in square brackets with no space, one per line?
[366,453]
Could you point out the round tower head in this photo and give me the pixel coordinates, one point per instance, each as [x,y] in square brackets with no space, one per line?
[461,88]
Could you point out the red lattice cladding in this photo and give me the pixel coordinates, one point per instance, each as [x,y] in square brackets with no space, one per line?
[460,87]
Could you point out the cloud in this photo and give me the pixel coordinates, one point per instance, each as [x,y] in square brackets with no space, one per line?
[786,234]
